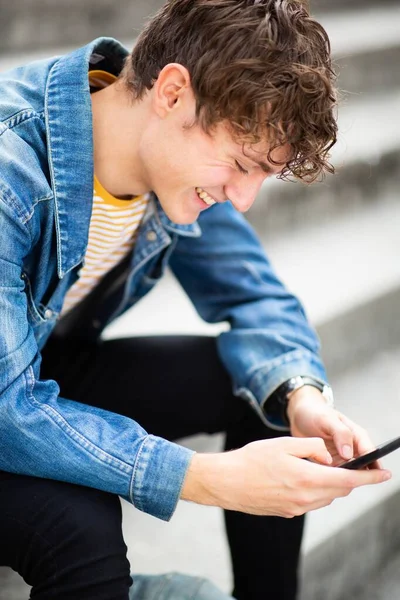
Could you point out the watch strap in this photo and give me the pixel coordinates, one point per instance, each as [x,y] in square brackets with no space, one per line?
[275,407]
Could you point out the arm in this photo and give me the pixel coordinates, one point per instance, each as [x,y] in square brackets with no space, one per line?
[47,436]
[228,277]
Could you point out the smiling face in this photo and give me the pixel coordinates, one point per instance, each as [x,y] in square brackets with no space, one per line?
[190,169]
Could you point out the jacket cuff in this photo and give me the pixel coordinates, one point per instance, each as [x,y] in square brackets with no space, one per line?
[158,476]
[267,380]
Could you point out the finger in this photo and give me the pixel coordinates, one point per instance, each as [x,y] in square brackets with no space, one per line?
[341,434]
[362,442]
[311,448]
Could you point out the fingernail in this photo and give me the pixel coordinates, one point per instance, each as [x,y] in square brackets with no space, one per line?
[347,452]
[329,459]
[387,476]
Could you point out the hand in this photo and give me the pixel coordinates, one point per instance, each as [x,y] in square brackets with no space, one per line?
[310,416]
[270,477]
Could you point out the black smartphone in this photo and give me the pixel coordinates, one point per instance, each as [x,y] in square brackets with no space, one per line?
[360,462]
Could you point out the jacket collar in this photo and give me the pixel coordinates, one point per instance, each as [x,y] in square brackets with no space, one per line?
[70,148]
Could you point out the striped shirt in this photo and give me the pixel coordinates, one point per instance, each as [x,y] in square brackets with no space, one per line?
[113,227]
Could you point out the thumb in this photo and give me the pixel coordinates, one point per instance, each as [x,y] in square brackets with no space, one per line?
[310,448]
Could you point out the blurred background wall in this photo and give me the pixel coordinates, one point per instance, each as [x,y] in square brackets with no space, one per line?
[336,245]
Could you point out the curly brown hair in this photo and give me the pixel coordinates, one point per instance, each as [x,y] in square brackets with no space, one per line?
[263,66]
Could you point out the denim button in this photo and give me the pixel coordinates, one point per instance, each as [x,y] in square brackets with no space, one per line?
[151,236]
[48,313]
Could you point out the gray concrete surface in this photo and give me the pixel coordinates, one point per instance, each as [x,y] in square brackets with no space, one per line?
[386,584]
[30,24]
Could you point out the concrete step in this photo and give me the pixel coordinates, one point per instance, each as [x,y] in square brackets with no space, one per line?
[35,24]
[386,584]
[321,6]
[12,586]
[366,61]
[49,23]
[348,543]
[359,51]
[367,159]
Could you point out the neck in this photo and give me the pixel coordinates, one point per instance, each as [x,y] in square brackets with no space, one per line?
[117,131]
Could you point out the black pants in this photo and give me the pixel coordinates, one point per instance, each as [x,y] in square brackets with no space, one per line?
[66,541]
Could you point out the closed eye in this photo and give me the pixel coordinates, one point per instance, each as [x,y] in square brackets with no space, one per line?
[240,168]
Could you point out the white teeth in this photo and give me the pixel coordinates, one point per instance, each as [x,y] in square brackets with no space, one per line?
[205,197]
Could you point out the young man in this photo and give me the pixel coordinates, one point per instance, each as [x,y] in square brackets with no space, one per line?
[175,140]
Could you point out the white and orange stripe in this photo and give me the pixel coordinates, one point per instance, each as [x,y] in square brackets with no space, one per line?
[112,230]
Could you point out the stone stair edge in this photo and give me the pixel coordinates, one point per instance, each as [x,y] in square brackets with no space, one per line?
[356,185]
[346,340]
[20,21]
[325,6]
[342,566]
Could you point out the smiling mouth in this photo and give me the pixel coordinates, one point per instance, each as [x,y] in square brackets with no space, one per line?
[205,197]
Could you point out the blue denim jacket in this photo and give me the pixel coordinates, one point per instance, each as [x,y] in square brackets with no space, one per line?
[46,187]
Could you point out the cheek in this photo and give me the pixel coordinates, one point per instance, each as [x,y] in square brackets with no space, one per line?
[217,176]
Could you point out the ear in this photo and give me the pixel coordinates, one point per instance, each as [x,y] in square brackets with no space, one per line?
[171,89]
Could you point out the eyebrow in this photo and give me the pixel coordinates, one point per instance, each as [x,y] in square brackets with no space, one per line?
[264,166]
[267,168]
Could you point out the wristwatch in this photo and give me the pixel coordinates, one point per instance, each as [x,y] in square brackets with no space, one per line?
[275,407]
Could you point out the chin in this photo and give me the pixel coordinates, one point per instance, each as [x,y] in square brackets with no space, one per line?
[179,216]
[180,219]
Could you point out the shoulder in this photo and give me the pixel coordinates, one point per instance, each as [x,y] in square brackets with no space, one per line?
[23,89]
[24,177]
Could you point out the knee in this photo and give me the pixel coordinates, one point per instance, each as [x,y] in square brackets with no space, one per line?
[92,519]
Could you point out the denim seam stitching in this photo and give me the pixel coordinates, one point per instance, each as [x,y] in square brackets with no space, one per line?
[13,204]
[135,469]
[269,366]
[20,117]
[77,437]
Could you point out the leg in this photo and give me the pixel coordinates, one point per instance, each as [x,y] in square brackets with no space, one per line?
[268,548]
[174,387]
[64,540]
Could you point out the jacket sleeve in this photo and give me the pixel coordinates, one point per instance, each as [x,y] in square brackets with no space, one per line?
[46,436]
[228,277]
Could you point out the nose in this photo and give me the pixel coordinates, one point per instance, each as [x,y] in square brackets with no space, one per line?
[243,190]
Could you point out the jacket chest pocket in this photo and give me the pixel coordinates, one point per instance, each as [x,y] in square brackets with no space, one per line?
[43,314]
[38,313]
